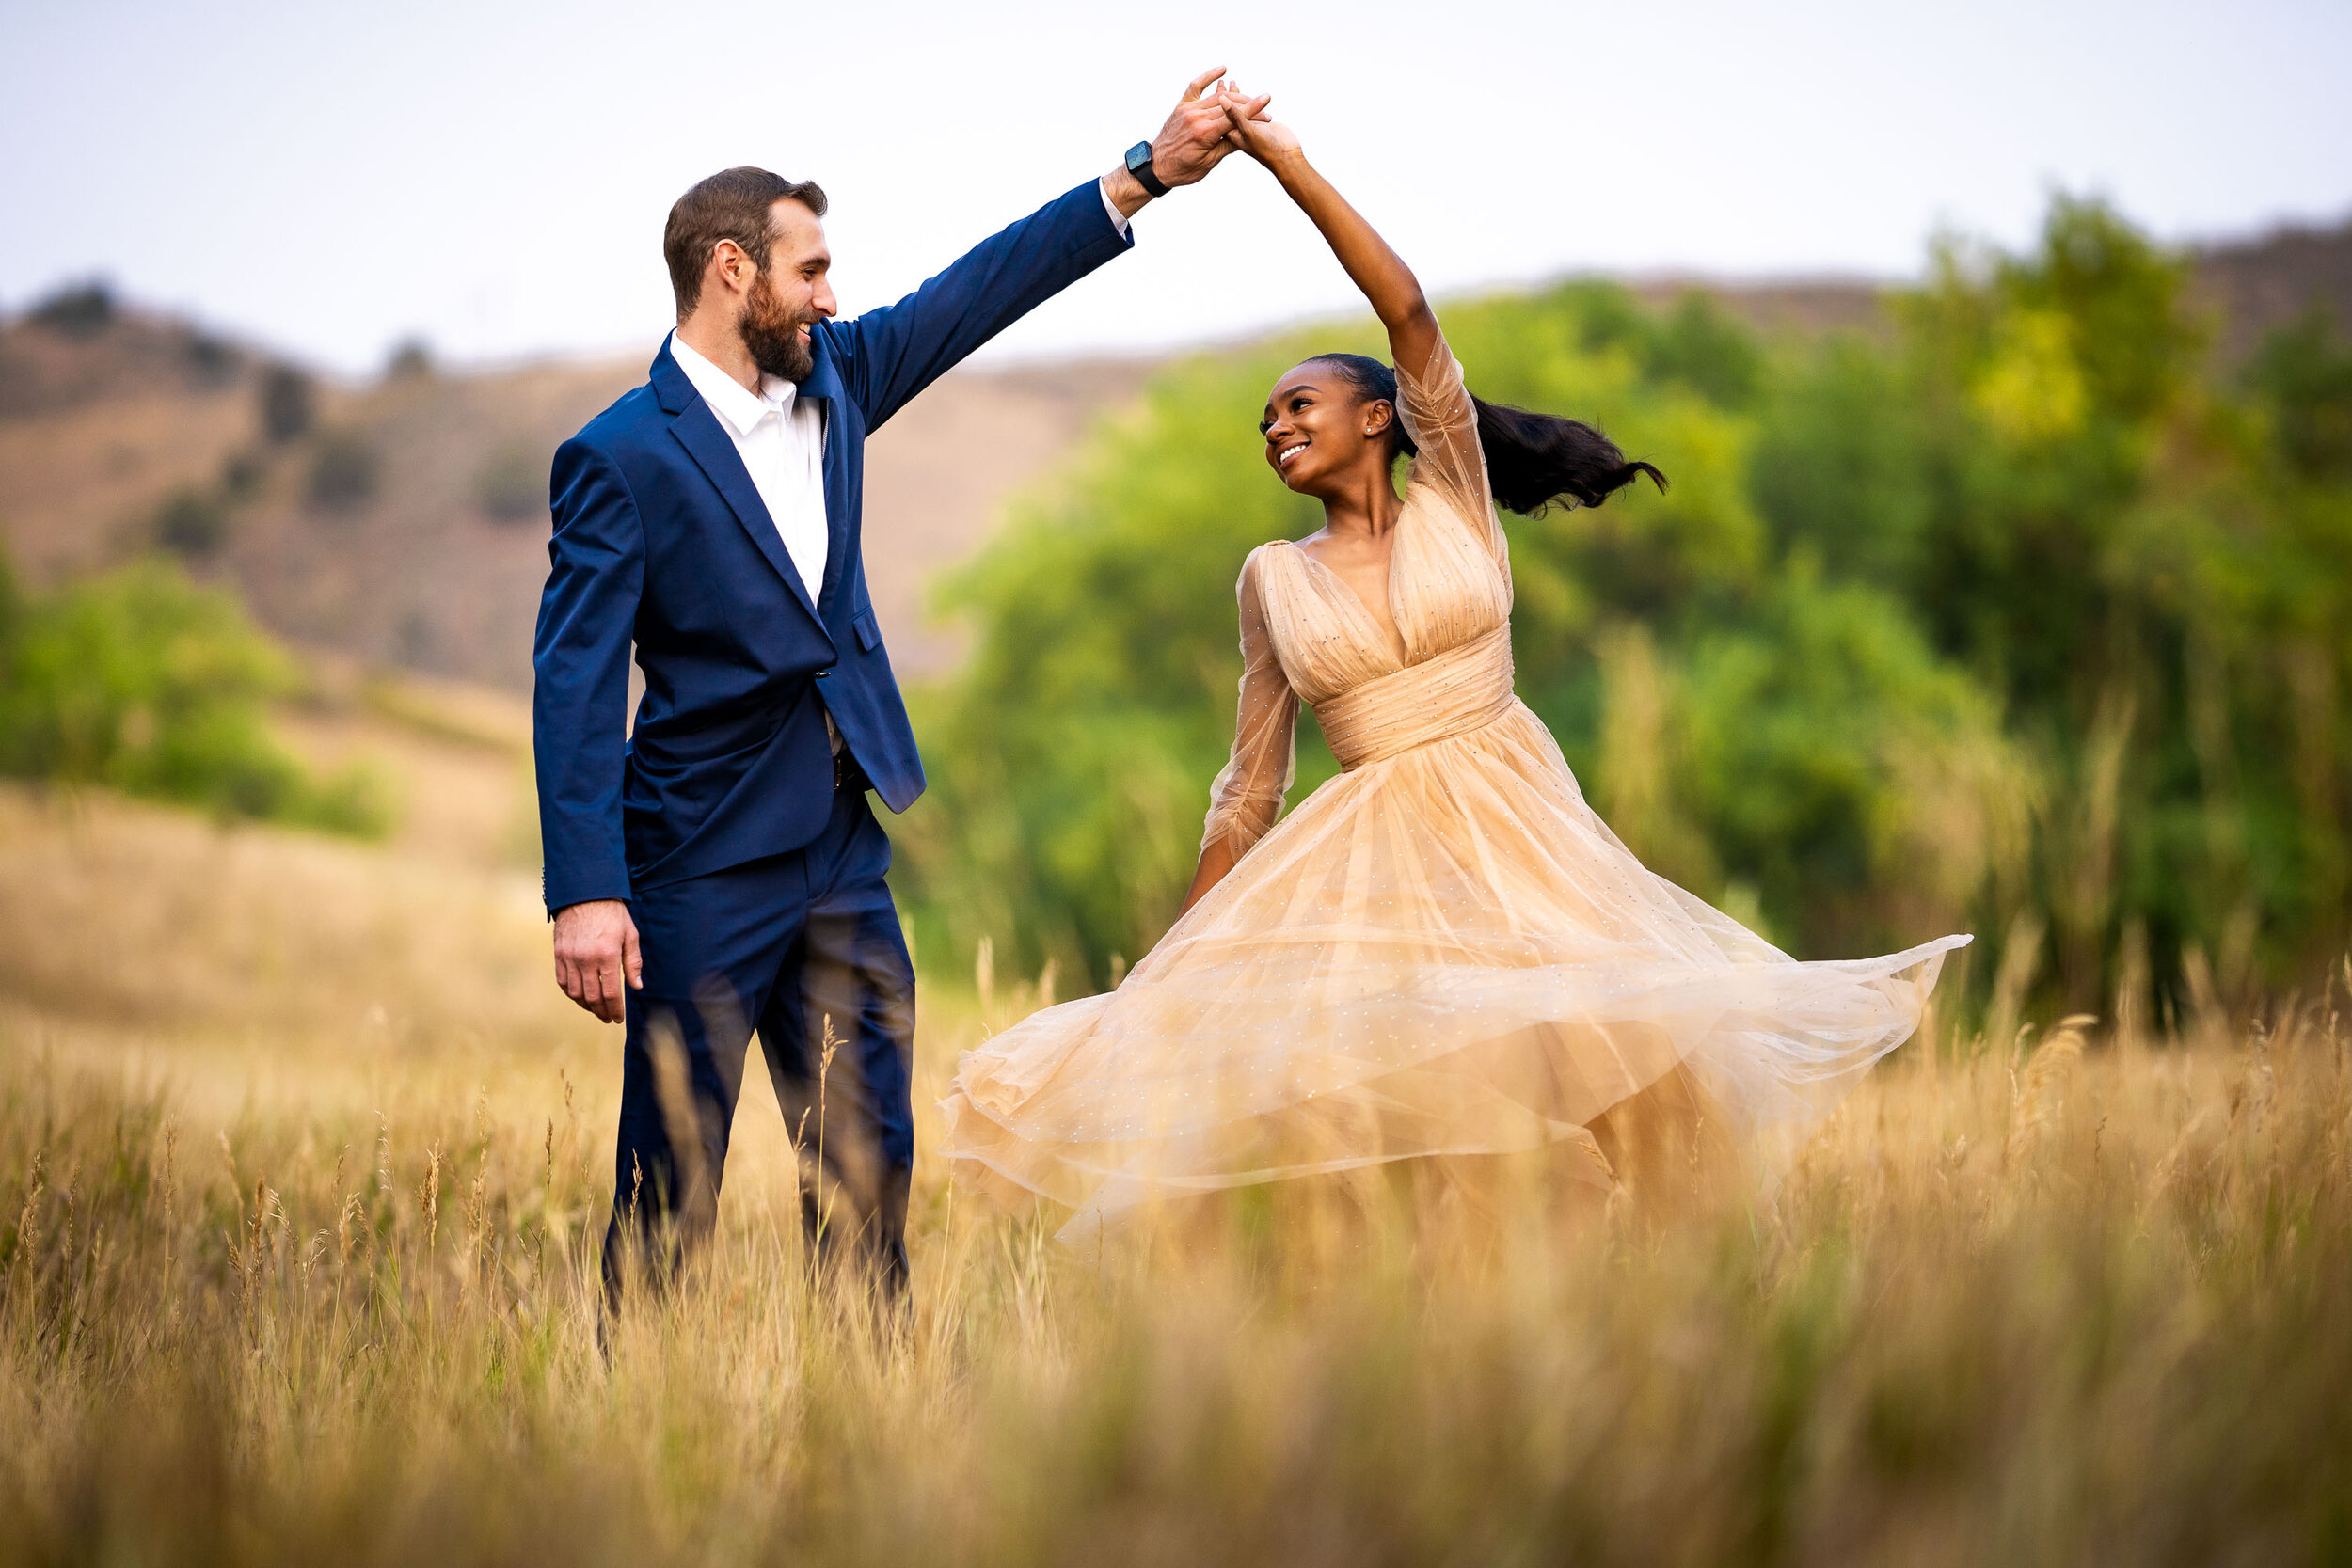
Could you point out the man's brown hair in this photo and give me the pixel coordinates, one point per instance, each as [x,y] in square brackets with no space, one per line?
[731,204]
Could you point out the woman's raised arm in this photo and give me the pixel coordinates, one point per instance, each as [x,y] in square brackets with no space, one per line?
[1378,271]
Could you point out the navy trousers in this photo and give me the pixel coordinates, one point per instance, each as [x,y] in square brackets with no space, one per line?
[805,948]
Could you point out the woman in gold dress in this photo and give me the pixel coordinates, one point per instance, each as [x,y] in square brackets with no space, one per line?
[1442,951]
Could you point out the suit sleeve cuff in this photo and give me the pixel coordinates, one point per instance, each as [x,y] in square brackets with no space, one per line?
[561,894]
[1119,219]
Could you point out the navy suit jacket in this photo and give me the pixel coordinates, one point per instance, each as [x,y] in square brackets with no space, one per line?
[662,541]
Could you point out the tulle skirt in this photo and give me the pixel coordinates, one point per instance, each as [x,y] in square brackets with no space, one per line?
[1441,953]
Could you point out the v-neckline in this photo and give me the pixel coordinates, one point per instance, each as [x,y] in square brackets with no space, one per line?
[1401,650]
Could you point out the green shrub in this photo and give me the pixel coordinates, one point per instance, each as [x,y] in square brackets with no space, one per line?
[240,476]
[193,522]
[2306,378]
[142,681]
[411,360]
[289,404]
[77,310]
[211,361]
[343,472]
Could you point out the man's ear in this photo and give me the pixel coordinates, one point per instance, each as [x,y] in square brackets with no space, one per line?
[733,266]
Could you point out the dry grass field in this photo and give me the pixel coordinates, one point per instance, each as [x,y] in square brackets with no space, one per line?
[302,1165]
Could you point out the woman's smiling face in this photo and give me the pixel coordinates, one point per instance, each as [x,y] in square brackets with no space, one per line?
[1318,429]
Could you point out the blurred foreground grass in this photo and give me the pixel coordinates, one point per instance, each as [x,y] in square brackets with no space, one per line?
[302,1166]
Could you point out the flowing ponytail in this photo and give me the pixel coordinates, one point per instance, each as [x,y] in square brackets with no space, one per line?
[1532,459]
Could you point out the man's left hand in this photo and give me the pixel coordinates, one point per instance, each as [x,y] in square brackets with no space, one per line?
[1193,142]
[1195,139]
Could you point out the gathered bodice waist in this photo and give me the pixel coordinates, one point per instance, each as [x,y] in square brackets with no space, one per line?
[1458,691]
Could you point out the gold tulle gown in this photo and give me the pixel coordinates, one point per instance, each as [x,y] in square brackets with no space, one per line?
[1442,951]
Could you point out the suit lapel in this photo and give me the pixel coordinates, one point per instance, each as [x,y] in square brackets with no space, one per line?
[698,431]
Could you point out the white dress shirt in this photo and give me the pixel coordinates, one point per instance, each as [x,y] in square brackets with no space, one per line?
[781,439]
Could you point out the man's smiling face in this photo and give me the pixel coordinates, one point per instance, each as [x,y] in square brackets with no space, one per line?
[790,294]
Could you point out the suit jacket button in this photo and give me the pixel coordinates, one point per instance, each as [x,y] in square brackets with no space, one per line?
[826,671]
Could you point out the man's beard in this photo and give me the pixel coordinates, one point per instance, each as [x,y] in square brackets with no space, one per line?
[773,335]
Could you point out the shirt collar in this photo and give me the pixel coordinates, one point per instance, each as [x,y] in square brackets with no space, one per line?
[728,398]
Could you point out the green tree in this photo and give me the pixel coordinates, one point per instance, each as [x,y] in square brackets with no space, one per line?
[2020,619]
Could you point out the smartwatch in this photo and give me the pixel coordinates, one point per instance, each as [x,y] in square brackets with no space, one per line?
[1139,164]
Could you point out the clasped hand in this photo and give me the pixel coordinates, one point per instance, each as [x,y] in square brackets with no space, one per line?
[1248,128]
[1198,135]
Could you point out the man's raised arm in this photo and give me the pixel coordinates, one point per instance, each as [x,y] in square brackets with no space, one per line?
[889,355]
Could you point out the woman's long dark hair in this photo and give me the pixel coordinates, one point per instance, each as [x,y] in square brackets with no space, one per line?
[1532,459]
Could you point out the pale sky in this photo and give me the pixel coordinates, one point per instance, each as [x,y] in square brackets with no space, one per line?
[330,178]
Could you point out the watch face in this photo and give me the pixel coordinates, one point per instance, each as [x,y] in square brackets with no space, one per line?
[1140,156]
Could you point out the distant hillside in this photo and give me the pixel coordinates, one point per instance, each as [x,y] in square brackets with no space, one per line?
[1790,307]
[2257,286]
[80,346]
[2249,288]
[404,523]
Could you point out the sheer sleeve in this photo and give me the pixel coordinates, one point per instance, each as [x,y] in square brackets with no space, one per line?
[1247,795]
[1443,422]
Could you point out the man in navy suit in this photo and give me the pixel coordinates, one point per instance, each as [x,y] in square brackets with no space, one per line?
[716,870]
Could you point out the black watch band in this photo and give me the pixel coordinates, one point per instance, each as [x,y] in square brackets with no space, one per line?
[1139,164]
